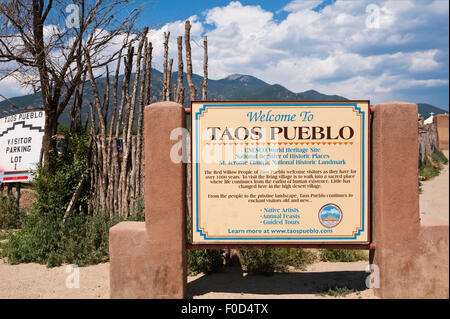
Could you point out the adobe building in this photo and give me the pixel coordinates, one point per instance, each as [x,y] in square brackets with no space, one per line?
[441,123]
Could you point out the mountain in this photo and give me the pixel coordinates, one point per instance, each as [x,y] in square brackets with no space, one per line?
[425,110]
[270,92]
[240,80]
[313,95]
[233,87]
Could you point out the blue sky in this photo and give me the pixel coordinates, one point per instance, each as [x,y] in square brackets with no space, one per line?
[160,12]
[330,210]
[382,50]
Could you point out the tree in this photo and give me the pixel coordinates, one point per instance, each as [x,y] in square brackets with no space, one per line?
[43,45]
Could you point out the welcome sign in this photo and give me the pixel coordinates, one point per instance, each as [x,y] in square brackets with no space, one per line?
[280,172]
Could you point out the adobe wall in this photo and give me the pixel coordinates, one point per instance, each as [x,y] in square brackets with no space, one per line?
[441,122]
[412,259]
[148,259]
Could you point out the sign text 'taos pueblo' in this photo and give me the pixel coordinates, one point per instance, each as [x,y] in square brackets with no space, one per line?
[280,172]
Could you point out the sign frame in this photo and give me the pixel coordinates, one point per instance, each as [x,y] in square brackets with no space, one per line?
[290,244]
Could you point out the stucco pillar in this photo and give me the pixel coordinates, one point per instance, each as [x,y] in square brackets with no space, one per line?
[412,259]
[395,200]
[148,260]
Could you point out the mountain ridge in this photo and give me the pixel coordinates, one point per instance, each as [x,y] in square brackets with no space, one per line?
[233,87]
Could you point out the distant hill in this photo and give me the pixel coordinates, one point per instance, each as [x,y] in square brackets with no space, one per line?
[233,87]
[425,110]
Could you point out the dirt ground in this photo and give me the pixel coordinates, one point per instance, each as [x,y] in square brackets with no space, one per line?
[318,277]
[433,202]
[36,281]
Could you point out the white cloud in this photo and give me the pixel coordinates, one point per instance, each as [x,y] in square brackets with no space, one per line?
[298,5]
[332,51]
[9,87]
[424,61]
[176,29]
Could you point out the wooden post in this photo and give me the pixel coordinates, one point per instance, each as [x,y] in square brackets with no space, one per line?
[18,185]
[205,69]
[187,44]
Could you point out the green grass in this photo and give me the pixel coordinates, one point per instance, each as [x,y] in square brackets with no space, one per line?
[431,166]
[428,172]
[4,235]
[439,157]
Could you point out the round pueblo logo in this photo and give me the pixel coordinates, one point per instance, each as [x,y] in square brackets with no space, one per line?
[330,215]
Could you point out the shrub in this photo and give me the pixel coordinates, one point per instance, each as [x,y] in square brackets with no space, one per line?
[428,169]
[295,257]
[439,157]
[432,165]
[4,235]
[206,261]
[11,217]
[260,261]
[81,240]
[139,211]
[54,191]
[342,255]
[268,260]
[337,291]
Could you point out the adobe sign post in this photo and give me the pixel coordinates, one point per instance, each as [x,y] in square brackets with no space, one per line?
[20,145]
[280,172]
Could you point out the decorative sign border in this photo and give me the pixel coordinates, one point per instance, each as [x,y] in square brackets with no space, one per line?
[365,176]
